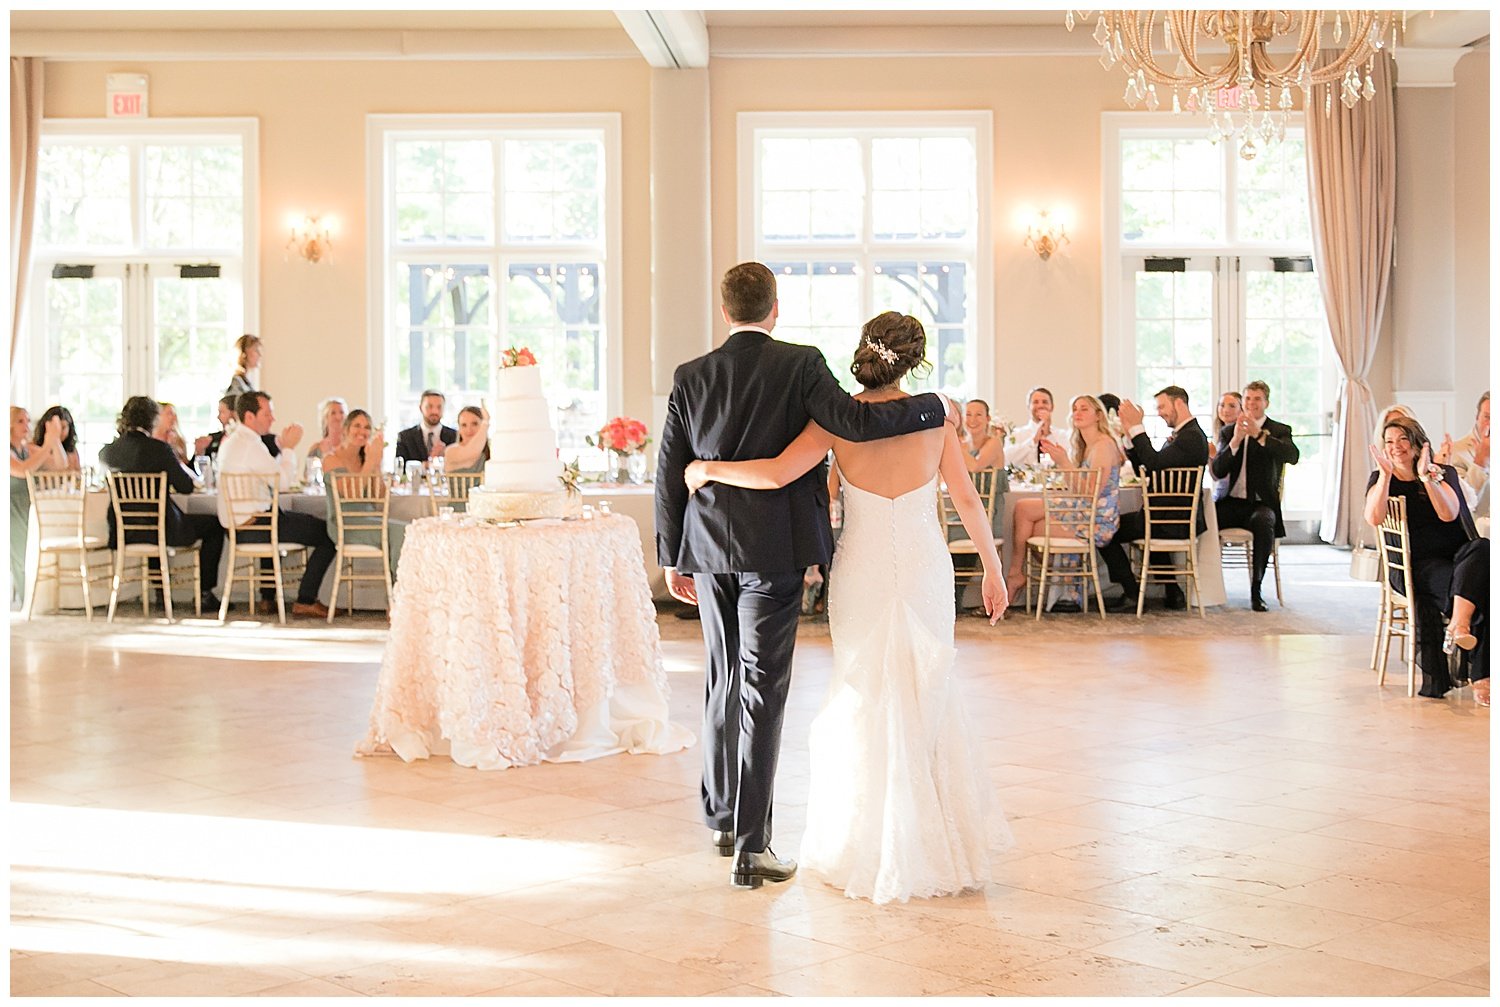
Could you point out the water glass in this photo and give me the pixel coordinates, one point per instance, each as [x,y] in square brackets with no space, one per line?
[315,473]
[413,475]
[202,470]
[604,507]
[446,513]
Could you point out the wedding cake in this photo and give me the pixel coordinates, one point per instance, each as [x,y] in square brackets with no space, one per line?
[523,478]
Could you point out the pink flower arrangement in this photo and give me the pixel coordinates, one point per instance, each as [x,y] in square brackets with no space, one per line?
[621,434]
[517,357]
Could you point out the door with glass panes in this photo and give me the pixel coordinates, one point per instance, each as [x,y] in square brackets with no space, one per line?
[1213,323]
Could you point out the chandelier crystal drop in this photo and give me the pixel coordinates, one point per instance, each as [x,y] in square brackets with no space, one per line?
[1234,89]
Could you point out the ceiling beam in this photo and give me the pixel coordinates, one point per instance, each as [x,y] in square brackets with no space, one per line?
[669,39]
[295,44]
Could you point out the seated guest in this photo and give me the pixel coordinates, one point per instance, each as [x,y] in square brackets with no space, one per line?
[429,438]
[1185,447]
[208,444]
[331,412]
[247,365]
[25,458]
[1110,401]
[1094,447]
[1251,456]
[168,431]
[473,447]
[1449,562]
[53,461]
[1227,414]
[244,450]
[138,449]
[360,452]
[1385,414]
[1470,455]
[984,447]
[1029,437]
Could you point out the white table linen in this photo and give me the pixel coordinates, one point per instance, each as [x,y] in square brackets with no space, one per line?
[513,645]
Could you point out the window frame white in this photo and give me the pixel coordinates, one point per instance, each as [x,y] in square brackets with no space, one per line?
[382,249]
[750,126]
[244,266]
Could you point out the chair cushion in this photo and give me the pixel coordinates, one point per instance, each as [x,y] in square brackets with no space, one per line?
[64,543]
[962,545]
[1170,544]
[356,550]
[1058,544]
[1238,536]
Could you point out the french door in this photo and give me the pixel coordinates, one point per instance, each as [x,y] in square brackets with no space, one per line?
[106,330]
[1212,323]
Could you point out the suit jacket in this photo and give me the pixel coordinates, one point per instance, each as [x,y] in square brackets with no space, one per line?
[134,451]
[411,443]
[1187,448]
[749,399]
[1263,468]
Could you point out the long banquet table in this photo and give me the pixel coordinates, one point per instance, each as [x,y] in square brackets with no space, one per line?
[545,647]
[633,501]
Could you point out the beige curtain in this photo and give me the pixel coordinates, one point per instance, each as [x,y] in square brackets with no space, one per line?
[1351,177]
[25,137]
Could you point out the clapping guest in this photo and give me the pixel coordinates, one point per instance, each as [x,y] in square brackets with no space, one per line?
[52,461]
[1029,437]
[1093,447]
[25,458]
[168,431]
[244,450]
[473,447]
[985,447]
[1186,446]
[331,413]
[247,367]
[208,444]
[1470,456]
[1449,562]
[140,448]
[430,437]
[360,452]
[1226,414]
[1252,456]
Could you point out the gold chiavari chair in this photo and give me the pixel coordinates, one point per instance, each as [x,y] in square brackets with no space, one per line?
[458,486]
[1171,498]
[58,503]
[1398,615]
[1237,548]
[1070,502]
[986,484]
[247,487]
[361,509]
[140,505]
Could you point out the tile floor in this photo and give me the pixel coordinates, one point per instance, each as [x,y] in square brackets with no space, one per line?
[1193,816]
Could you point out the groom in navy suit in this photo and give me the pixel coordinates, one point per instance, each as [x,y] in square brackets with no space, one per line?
[739,555]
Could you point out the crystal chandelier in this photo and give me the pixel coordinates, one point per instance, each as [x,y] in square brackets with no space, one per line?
[1235,94]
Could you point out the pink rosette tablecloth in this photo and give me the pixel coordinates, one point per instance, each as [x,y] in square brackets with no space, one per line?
[511,645]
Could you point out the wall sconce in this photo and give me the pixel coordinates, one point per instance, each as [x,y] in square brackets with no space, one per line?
[312,237]
[1045,235]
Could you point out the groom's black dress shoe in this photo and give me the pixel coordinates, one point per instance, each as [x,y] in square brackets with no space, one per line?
[724,842]
[1257,603]
[752,869]
[1175,599]
[1124,603]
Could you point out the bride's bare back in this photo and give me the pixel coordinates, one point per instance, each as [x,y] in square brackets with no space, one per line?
[893,466]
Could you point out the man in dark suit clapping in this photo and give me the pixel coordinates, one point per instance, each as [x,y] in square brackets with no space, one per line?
[1251,456]
[429,438]
[1185,447]
[135,450]
[739,555]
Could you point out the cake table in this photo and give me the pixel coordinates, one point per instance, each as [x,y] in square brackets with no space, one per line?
[512,645]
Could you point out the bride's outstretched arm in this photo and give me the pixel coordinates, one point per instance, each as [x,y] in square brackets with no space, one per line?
[810,447]
[976,522]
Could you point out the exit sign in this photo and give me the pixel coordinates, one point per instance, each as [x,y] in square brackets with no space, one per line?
[125,96]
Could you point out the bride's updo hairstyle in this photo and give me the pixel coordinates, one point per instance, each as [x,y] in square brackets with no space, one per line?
[890,345]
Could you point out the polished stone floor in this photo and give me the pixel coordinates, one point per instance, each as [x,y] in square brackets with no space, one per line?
[1193,815]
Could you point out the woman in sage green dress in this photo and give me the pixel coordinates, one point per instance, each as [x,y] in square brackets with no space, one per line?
[360,452]
[26,457]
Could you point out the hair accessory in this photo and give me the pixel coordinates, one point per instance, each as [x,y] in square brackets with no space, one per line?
[882,351]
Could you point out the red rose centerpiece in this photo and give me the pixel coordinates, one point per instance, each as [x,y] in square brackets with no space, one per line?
[624,442]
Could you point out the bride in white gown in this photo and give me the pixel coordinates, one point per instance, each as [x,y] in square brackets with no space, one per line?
[898,804]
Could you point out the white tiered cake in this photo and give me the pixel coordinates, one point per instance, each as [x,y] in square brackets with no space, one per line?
[523,478]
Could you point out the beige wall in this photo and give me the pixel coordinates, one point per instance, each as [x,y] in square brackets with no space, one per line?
[1046,152]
